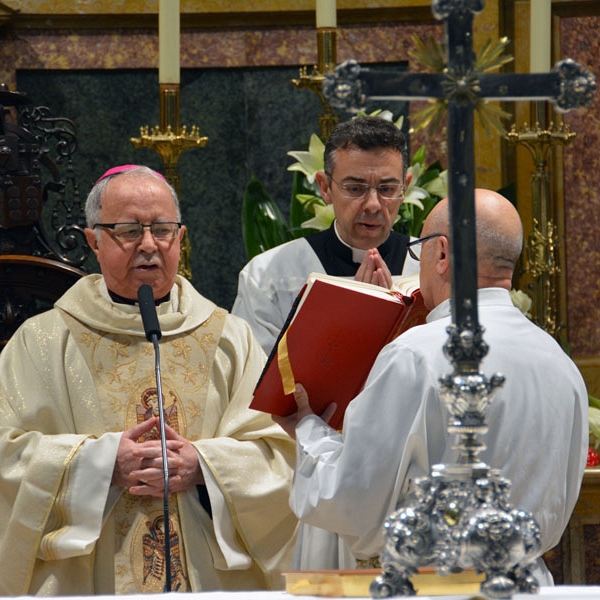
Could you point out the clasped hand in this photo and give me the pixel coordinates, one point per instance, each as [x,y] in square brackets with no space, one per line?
[374,270]
[139,464]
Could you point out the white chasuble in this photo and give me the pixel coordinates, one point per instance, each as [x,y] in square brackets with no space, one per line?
[126,388]
[75,377]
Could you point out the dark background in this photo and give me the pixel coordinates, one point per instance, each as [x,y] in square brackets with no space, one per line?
[252,118]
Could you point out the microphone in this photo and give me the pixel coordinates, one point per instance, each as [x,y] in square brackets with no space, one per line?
[148,312]
[153,334]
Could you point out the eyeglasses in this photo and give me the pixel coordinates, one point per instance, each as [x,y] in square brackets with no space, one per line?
[420,241]
[130,232]
[356,190]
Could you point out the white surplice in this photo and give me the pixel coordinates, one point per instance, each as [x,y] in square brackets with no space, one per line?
[395,430]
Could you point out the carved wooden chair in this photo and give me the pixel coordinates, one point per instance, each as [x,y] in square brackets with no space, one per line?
[42,244]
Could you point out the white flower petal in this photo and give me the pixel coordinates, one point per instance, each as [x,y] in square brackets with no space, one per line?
[417,192]
[323,218]
[438,186]
[388,115]
[413,199]
[521,300]
[316,145]
[415,171]
[311,162]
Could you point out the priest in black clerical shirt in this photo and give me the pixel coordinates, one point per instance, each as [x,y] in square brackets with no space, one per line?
[364,179]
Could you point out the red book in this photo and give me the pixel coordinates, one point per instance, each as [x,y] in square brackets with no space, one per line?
[331,339]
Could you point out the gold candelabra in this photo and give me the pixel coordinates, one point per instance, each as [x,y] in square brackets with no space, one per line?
[541,259]
[326,61]
[169,140]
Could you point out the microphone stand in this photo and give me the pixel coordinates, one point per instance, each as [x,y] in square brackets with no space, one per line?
[153,334]
[163,444]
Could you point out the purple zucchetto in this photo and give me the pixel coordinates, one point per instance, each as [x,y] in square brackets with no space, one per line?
[121,169]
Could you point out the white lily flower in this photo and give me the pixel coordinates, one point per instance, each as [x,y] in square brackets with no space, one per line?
[414,197]
[438,186]
[522,301]
[311,162]
[415,171]
[323,218]
[414,194]
[385,114]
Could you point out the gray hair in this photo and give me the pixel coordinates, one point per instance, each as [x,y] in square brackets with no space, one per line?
[498,247]
[93,204]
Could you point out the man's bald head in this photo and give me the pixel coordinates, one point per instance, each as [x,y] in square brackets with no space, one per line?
[499,235]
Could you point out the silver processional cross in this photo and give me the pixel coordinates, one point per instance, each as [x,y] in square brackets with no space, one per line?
[460,516]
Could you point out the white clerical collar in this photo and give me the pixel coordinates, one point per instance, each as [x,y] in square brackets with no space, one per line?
[358,254]
[490,296]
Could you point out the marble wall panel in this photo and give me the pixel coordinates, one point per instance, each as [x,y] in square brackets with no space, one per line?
[580,41]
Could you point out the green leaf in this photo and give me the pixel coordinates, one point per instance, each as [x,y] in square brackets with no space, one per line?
[263,224]
[300,212]
[419,156]
[429,175]
[404,223]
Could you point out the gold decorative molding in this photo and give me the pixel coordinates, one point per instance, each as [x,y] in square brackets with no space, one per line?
[193,6]
[570,181]
[590,370]
[578,553]
[6,14]
[142,14]
[542,263]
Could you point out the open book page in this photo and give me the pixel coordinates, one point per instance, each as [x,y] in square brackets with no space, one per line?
[405,285]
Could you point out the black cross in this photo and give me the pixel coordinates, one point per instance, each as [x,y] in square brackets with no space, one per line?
[568,86]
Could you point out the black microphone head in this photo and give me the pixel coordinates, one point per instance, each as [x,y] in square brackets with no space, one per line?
[148,312]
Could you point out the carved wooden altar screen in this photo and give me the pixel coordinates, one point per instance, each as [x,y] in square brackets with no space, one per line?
[42,245]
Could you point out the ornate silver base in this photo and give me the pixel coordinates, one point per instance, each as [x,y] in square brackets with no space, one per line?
[460,518]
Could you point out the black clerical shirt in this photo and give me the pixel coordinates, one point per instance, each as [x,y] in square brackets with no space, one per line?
[336,257]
